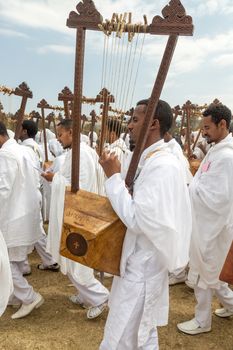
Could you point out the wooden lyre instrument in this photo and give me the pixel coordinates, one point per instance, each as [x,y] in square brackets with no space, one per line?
[92,233]
[24,92]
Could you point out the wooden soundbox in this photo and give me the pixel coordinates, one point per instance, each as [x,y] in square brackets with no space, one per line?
[92,233]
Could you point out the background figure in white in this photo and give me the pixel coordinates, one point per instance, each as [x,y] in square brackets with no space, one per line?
[19,215]
[6,283]
[95,138]
[91,292]
[157,216]
[179,276]
[27,136]
[211,194]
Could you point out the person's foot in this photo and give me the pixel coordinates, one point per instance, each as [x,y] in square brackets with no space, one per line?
[223,312]
[55,267]
[26,309]
[192,327]
[76,300]
[96,311]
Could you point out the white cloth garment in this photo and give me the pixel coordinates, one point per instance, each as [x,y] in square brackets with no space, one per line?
[158,221]
[10,133]
[91,290]
[203,309]
[20,211]
[55,147]
[37,149]
[211,193]
[19,196]
[177,151]
[6,284]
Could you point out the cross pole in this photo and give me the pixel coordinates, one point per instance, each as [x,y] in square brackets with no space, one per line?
[23,91]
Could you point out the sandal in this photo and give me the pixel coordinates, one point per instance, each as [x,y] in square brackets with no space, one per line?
[55,267]
[96,311]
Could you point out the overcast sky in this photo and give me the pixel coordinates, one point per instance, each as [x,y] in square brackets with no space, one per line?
[38,48]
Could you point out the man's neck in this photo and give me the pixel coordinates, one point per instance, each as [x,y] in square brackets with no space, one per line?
[223,137]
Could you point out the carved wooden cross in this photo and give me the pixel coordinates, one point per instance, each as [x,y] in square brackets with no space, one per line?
[35,115]
[23,91]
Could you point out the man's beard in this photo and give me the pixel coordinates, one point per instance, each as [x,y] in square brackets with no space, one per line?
[131,145]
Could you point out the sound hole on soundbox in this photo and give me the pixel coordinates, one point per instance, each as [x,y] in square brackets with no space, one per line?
[76,244]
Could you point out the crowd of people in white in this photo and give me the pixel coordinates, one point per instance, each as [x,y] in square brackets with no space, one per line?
[179,227]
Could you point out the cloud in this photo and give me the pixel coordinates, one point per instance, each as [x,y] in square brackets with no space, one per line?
[52,14]
[62,49]
[224,60]
[212,7]
[191,54]
[12,33]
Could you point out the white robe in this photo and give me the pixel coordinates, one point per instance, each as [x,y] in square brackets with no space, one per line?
[177,151]
[158,221]
[6,284]
[211,193]
[19,196]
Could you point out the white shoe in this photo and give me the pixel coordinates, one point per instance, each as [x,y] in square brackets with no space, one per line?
[96,311]
[192,327]
[76,300]
[223,312]
[26,309]
[173,280]
[189,284]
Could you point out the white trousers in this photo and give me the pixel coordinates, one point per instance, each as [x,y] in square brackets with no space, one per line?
[92,293]
[23,291]
[203,311]
[46,257]
[129,338]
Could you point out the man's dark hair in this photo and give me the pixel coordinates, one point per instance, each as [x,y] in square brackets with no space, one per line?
[3,130]
[217,113]
[66,124]
[31,128]
[114,125]
[163,113]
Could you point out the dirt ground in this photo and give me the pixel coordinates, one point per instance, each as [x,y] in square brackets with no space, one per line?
[58,324]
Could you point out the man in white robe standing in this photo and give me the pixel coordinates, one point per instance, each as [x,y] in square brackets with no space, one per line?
[27,136]
[157,216]
[211,193]
[92,294]
[19,216]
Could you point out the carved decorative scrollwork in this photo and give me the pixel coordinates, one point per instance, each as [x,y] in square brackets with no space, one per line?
[87,16]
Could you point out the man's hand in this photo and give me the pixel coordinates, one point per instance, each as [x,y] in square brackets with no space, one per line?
[48,176]
[110,163]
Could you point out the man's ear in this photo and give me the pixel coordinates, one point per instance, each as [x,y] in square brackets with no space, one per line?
[223,123]
[155,124]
